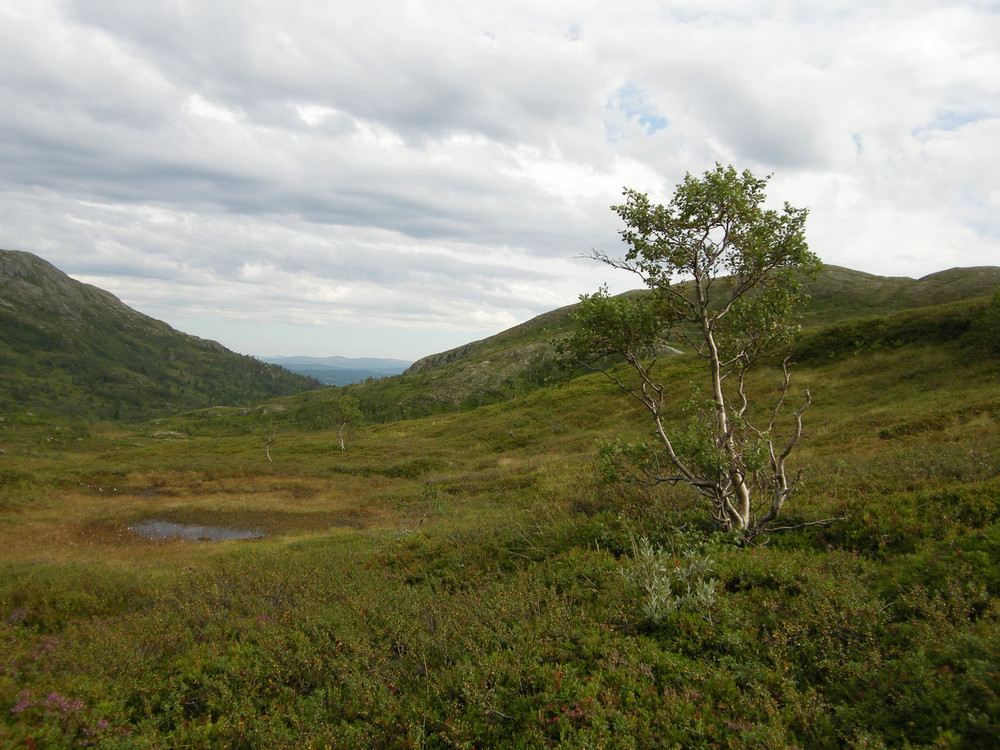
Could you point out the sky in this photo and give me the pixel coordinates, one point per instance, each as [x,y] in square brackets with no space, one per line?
[394,179]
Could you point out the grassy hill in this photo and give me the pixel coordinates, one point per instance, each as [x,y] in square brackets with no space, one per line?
[521,359]
[843,294]
[71,349]
[472,579]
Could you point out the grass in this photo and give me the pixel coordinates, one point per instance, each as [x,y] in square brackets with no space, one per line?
[455,580]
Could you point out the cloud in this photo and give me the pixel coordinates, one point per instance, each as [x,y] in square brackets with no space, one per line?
[290,175]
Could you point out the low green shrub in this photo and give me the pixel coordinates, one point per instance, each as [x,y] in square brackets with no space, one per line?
[46,598]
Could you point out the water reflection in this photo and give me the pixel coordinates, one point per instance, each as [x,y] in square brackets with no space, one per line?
[158,530]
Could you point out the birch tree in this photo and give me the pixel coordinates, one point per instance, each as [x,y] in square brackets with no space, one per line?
[346,414]
[724,276]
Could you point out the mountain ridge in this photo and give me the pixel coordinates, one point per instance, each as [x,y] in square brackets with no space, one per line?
[72,348]
[336,370]
[341,363]
[522,358]
[78,349]
[879,295]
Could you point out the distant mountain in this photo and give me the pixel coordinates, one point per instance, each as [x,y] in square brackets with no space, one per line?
[341,370]
[76,350]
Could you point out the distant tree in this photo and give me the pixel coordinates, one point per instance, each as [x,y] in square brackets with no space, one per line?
[265,429]
[742,267]
[346,413]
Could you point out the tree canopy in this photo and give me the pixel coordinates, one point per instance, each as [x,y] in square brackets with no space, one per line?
[725,275]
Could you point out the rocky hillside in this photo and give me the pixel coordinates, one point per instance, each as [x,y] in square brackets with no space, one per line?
[76,350]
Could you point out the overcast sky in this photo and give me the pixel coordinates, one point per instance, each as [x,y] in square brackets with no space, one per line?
[397,178]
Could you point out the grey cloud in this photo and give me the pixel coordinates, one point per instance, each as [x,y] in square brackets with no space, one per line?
[375,157]
[421,76]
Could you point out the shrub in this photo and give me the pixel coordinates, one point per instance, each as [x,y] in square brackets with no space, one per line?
[669,581]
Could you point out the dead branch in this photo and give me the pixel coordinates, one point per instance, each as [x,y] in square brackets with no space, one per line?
[824,522]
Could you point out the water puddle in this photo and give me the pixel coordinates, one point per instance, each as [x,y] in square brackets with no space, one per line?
[160,530]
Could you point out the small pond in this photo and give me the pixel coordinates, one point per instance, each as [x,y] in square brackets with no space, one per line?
[158,530]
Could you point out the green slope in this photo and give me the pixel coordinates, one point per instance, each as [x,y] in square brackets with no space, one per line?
[841,294]
[73,349]
[521,359]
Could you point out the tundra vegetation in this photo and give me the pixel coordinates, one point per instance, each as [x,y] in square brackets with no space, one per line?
[478,578]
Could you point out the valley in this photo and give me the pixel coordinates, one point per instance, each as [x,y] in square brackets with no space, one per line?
[459,576]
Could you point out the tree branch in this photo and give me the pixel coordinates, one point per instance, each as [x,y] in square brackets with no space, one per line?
[824,522]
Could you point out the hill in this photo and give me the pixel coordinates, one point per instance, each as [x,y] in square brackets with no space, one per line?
[76,350]
[521,359]
[841,293]
[837,294]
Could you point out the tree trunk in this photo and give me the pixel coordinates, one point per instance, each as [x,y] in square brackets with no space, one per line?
[738,514]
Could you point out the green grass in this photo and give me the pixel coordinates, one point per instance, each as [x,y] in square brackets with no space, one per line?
[455,580]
